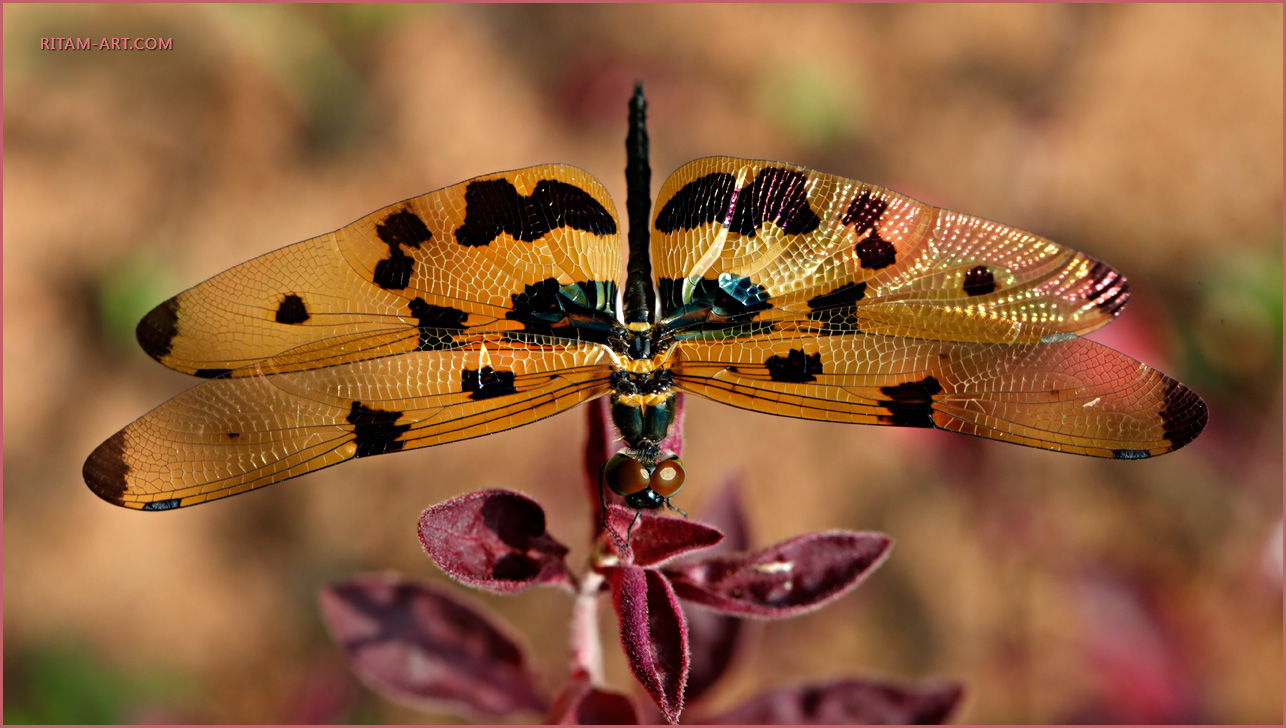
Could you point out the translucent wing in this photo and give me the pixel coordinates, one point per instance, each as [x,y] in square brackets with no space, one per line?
[499,252]
[800,293]
[750,231]
[1071,395]
[466,311]
[279,419]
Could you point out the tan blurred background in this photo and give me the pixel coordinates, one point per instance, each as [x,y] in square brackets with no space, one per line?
[1057,588]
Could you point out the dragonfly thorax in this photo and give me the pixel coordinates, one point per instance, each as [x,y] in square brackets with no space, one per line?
[641,341]
[643,407]
[643,410]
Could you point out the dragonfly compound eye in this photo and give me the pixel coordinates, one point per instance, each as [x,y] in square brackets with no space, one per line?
[668,477]
[625,475]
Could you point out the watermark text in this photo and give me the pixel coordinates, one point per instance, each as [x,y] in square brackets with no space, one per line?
[107,44]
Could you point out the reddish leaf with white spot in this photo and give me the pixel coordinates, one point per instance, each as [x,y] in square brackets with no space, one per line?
[494,540]
[847,702]
[427,649]
[785,579]
[580,703]
[656,539]
[654,634]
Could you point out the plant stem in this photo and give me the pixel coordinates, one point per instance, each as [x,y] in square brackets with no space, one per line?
[587,651]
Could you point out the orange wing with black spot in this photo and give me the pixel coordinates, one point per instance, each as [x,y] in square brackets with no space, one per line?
[449,261]
[809,295]
[462,312]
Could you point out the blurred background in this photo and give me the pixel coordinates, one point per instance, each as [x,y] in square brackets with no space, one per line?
[1056,588]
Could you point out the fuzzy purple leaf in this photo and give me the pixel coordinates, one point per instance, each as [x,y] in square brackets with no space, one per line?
[715,638]
[654,634]
[725,512]
[580,703]
[601,442]
[619,522]
[785,579]
[847,702]
[427,649]
[656,539]
[494,540]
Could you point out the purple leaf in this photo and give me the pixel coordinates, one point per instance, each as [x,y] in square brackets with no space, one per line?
[601,443]
[620,522]
[325,694]
[847,702]
[724,511]
[656,539]
[494,540]
[782,580]
[580,703]
[715,638]
[654,634]
[424,648]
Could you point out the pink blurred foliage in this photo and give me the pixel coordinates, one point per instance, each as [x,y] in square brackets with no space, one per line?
[325,695]
[427,648]
[1139,676]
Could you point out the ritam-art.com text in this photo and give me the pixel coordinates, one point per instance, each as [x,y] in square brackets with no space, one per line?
[107,44]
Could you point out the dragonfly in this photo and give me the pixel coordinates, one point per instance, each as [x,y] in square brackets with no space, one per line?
[500,301]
